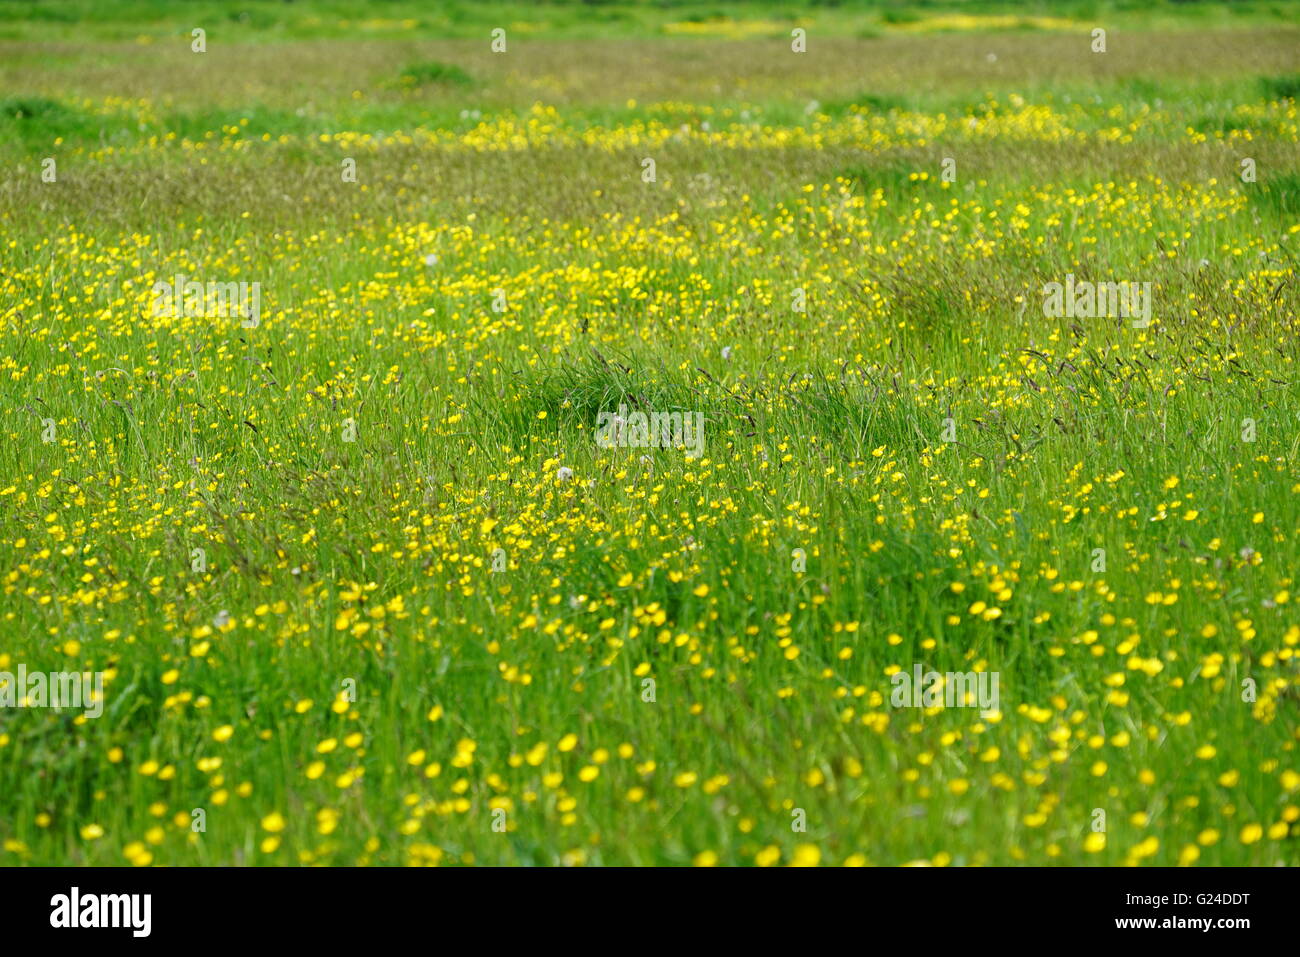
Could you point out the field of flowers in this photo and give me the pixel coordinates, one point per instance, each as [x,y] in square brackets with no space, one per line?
[365,586]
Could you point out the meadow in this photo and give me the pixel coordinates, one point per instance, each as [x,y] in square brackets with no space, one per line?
[364,583]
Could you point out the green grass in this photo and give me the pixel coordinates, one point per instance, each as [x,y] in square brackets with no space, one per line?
[433,72]
[263,20]
[423,594]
